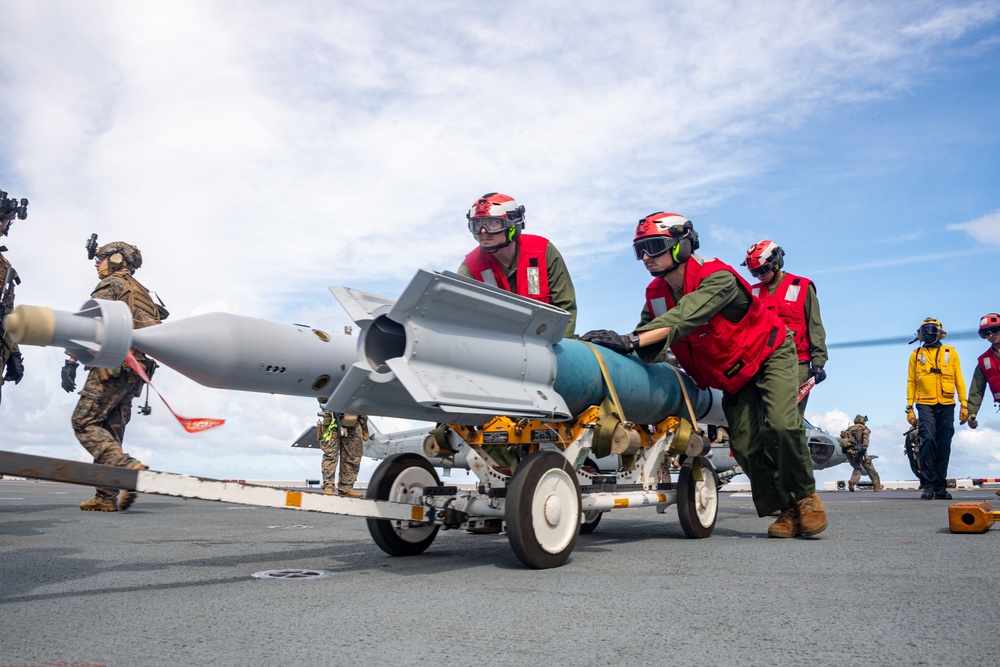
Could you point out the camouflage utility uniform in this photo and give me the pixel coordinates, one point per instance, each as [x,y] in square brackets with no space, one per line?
[854,442]
[343,443]
[11,365]
[105,404]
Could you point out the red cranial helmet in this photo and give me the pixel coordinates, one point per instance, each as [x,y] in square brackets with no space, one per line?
[661,232]
[764,257]
[496,213]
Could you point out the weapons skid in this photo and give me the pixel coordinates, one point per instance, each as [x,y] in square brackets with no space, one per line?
[454,351]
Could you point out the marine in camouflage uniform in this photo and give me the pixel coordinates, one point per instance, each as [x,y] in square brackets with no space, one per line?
[342,439]
[105,404]
[11,362]
[854,442]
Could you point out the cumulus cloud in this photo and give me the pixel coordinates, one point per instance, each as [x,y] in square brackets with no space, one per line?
[985,229]
[257,153]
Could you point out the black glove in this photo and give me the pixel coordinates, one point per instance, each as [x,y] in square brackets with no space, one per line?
[612,340]
[15,368]
[818,373]
[69,375]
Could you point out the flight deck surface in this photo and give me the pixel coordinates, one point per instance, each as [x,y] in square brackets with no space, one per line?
[172,582]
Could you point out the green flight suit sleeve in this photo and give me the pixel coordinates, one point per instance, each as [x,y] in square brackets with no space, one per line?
[977,390]
[817,334]
[561,291]
[463,270]
[717,291]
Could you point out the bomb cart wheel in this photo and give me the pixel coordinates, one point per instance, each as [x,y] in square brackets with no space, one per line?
[590,521]
[543,510]
[697,502]
[395,479]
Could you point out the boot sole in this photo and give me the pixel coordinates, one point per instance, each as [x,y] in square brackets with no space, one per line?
[126,500]
[814,531]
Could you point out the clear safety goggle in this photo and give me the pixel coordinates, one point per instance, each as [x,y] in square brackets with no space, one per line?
[491,225]
[989,331]
[654,246]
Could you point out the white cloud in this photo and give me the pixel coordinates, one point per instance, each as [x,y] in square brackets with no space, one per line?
[257,153]
[985,229]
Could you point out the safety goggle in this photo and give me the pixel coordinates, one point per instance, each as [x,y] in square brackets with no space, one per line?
[928,329]
[989,331]
[654,246]
[491,225]
[763,269]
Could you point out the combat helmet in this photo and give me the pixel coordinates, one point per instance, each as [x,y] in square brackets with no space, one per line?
[120,255]
[860,419]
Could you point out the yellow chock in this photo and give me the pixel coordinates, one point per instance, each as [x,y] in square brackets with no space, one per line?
[971,517]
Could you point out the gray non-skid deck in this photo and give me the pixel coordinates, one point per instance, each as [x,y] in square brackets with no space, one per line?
[170,582]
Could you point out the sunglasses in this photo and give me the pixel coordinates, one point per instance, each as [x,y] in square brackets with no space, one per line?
[989,331]
[654,246]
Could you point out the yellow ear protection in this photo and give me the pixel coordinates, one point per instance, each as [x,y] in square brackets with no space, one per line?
[681,252]
[516,216]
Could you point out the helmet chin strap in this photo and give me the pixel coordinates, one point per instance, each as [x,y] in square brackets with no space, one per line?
[497,248]
[660,274]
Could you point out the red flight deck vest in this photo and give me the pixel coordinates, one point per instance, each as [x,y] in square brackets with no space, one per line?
[532,271]
[989,364]
[720,353]
[789,303]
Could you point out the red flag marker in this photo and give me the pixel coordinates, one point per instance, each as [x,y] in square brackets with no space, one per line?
[191,425]
[804,389]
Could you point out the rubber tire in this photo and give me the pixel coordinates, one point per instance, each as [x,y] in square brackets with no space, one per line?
[388,534]
[697,502]
[590,525]
[541,478]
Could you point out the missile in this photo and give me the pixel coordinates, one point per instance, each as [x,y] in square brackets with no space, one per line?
[450,350]
[219,350]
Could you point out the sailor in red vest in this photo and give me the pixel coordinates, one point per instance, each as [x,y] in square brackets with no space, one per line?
[724,338]
[793,299]
[521,263]
[987,373]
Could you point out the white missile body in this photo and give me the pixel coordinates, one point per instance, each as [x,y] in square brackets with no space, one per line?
[450,350]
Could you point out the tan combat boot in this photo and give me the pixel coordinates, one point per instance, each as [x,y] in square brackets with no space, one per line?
[785,525]
[98,505]
[812,516]
[878,487]
[350,493]
[125,499]
[851,486]
[328,490]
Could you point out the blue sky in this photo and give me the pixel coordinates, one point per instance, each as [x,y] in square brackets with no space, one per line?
[257,154]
